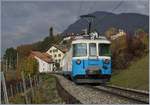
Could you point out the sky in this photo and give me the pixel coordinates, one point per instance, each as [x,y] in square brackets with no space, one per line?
[25,22]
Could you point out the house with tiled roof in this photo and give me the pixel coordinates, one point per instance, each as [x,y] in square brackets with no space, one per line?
[57,52]
[45,61]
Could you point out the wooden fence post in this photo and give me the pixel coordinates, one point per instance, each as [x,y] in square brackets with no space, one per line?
[11,90]
[31,85]
[24,87]
[20,86]
[37,80]
[35,83]
[4,88]
[17,88]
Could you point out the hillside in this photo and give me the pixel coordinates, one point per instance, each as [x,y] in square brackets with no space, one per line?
[127,21]
[135,76]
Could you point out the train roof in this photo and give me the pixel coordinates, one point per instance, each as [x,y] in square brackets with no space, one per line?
[90,41]
[91,37]
[99,40]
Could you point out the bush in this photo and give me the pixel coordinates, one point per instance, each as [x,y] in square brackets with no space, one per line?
[125,49]
[29,66]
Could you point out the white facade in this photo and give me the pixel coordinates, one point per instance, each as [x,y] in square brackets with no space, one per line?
[44,66]
[66,61]
[56,54]
[121,33]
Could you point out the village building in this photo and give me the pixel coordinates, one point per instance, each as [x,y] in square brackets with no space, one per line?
[119,34]
[44,60]
[57,52]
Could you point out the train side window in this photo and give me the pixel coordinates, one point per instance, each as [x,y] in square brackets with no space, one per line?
[92,49]
[79,50]
[104,49]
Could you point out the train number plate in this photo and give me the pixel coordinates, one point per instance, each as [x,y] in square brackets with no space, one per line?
[92,72]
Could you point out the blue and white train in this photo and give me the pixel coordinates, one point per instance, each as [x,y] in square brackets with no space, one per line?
[88,60]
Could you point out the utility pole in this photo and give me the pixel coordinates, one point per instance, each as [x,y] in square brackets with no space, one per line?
[9,65]
[6,65]
[17,59]
[3,81]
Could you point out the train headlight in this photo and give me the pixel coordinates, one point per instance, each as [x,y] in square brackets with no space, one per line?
[78,61]
[106,61]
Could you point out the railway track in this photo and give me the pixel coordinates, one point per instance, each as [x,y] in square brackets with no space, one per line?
[131,94]
[64,94]
[88,94]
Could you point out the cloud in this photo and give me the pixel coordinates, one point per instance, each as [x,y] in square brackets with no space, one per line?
[29,21]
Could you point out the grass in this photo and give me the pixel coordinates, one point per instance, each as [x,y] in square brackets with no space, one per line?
[135,76]
[46,93]
[17,99]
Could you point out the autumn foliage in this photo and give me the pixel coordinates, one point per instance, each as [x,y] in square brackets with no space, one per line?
[127,48]
[28,66]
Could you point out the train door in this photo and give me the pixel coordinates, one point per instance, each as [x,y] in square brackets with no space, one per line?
[93,56]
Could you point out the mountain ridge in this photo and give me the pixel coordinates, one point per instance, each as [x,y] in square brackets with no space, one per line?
[127,21]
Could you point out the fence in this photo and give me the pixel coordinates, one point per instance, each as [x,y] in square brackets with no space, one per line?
[22,86]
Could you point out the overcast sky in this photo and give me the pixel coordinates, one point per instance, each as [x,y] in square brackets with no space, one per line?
[28,21]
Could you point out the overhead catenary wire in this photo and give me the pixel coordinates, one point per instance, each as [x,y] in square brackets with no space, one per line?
[116,7]
[113,9]
[80,9]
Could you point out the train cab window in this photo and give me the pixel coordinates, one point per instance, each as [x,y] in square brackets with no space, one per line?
[104,49]
[79,49]
[92,49]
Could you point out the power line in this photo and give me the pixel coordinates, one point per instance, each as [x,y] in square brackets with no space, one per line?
[80,7]
[91,7]
[116,7]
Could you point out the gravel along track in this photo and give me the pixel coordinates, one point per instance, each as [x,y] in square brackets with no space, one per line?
[130,94]
[138,95]
[87,95]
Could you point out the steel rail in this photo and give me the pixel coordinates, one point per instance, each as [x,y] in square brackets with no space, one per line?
[139,97]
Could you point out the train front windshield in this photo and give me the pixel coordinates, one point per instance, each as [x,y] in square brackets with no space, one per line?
[104,49]
[79,50]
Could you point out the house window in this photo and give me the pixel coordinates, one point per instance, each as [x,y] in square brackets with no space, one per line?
[55,50]
[59,60]
[50,51]
[55,55]
[59,55]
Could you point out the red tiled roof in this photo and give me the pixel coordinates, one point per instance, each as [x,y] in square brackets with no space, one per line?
[43,56]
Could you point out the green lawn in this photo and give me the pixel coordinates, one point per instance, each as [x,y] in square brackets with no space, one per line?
[135,76]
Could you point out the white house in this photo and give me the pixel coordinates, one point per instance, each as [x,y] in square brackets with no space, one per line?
[66,61]
[44,60]
[120,33]
[57,52]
